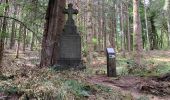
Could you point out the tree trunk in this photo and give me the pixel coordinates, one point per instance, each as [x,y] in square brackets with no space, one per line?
[113,27]
[168,22]
[24,39]
[147,32]
[13,31]
[19,41]
[104,25]
[137,32]
[2,35]
[90,32]
[12,38]
[53,28]
[153,34]
[1,50]
[32,41]
[168,19]
[122,29]
[99,29]
[161,40]
[34,14]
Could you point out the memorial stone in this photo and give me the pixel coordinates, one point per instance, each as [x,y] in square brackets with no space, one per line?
[70,41]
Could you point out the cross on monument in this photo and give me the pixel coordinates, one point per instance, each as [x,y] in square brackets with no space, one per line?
[70,11]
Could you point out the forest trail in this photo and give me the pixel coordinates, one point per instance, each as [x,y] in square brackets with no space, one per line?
[128,84]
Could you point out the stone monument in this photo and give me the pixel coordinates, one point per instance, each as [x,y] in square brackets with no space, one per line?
[70,41]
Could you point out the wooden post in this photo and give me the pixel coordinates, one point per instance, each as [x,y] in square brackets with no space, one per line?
[111,62]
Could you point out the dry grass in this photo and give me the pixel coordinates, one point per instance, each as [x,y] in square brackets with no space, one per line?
[23,80]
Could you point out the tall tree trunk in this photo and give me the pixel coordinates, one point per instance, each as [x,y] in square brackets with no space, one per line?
[13,31]
[53,28]
[154,35]
[100,28]
[7,29]
[113,27]
[34,14]
[94,25]
[167,3]
[128,29]
[161,40]
[147,31]
[19,41]
[103,26]
[122,29]
[2,35]
[12,38]
[24,39]
[90,32]
[168,22]
[137,32]
[32,42]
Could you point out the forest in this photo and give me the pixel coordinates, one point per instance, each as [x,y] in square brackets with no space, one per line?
[66,49]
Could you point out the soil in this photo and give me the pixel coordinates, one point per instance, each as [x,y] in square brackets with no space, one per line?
[137,86]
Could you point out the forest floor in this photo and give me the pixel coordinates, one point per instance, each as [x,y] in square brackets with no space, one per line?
[145,82]
[141,84]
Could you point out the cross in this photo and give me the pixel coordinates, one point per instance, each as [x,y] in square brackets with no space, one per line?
[70,11]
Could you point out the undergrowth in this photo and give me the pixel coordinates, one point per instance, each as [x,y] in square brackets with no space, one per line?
[47,84]
[148,68]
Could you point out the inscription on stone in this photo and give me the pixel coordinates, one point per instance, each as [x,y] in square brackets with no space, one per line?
[70,52]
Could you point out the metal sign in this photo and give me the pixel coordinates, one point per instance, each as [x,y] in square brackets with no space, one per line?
[110,50]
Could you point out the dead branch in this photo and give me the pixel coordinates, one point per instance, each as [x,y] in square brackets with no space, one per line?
[21,23]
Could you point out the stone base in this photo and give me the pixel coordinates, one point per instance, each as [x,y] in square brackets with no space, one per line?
[67,64]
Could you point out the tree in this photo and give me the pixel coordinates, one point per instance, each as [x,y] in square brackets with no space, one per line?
[168,11]
[167,8]
[13,31]
[157,21]
[19,41]
[90,31]
[112,25]
[52,30]
[146,23]
[34,14]
[3,32]
[137,31]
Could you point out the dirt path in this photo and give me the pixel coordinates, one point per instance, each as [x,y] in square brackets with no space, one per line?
[128,84]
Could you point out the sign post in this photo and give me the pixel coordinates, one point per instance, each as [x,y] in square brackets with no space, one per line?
[111,62]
